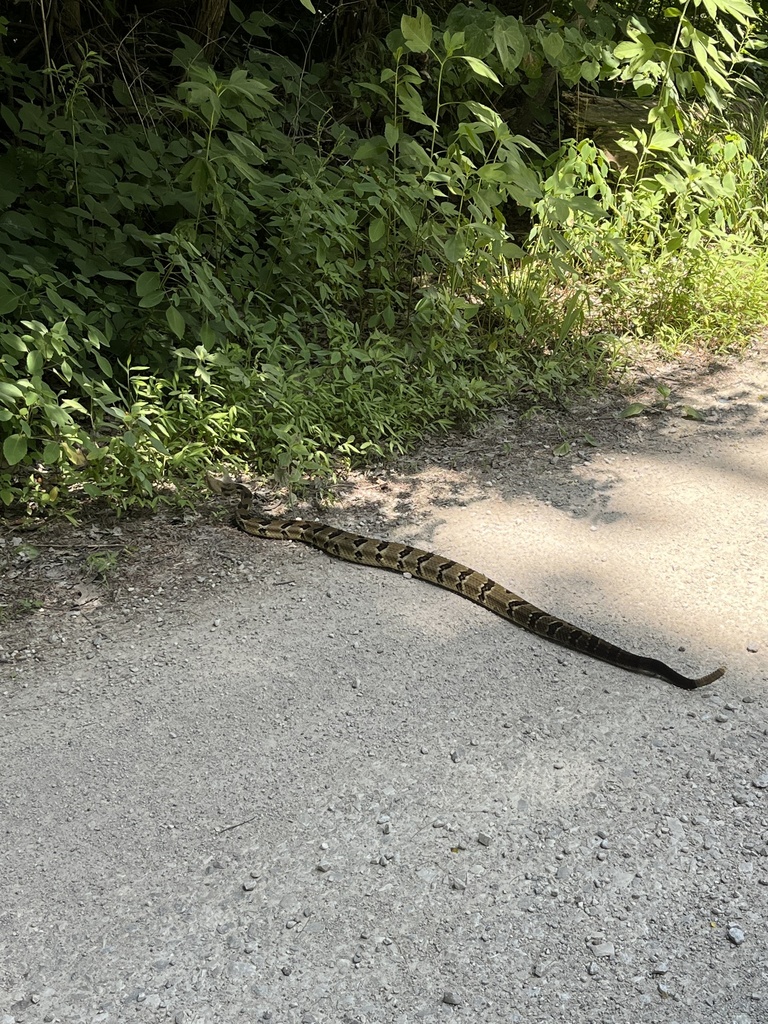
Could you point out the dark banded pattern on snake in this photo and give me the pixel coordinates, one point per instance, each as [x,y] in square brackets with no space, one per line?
[444,572]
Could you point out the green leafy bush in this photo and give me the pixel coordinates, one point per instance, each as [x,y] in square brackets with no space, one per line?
[248,269]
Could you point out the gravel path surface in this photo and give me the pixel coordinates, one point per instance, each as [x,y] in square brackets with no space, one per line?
[245,782]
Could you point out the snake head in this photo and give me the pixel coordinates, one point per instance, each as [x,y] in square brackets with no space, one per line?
[223,485]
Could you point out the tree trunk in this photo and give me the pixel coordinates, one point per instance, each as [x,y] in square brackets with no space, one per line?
[210,18]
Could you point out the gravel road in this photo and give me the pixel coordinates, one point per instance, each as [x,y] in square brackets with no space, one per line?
[242,781]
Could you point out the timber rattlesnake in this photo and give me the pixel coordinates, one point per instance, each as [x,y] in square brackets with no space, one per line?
[444,572]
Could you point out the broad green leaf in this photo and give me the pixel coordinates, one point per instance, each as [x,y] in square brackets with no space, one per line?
[481,69]
[663,140]
[738,9]
[455,247]
[453,41]
[147,283]
[488,116]
[34,361]
[510,42]
[377,229]
[635,409]
[391,134]
[417,32]
[103,364]
[9,296]
[552,44]
[371,149]
[153,299]
[9,392]
[175,321]
[690,413]
[51,453]
[562,449]
[14,448]
[407,218]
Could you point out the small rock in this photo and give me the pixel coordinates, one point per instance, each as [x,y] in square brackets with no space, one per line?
[721,718]
[541,969]
[593,969]
[285,970]
[456,755]
[603,949]
[761,782]
[753,648]
[451,998]
[660,968]
[459,884]
[323,866]
[736,935]
[484,839]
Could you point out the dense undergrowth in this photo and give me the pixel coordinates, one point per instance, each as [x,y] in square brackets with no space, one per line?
[288,268]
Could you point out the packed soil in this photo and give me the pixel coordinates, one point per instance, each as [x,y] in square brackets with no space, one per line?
[244,781]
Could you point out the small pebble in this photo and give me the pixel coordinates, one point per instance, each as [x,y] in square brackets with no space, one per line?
[753,648]
[660,968]
[324,866]
[721,718]
[761,782]
[736,935]
[593,969]
[603,949]
[451,998]
[285,970]
[483,839]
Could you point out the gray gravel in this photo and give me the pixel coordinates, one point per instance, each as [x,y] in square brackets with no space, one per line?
[281,788]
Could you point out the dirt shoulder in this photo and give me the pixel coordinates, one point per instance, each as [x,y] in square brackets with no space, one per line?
[242,778]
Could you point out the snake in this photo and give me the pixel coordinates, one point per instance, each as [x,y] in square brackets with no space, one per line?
[445,572]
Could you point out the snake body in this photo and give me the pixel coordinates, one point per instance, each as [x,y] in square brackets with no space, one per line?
[453,576]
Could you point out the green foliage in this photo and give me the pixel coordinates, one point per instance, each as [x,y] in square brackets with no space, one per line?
[246,270]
